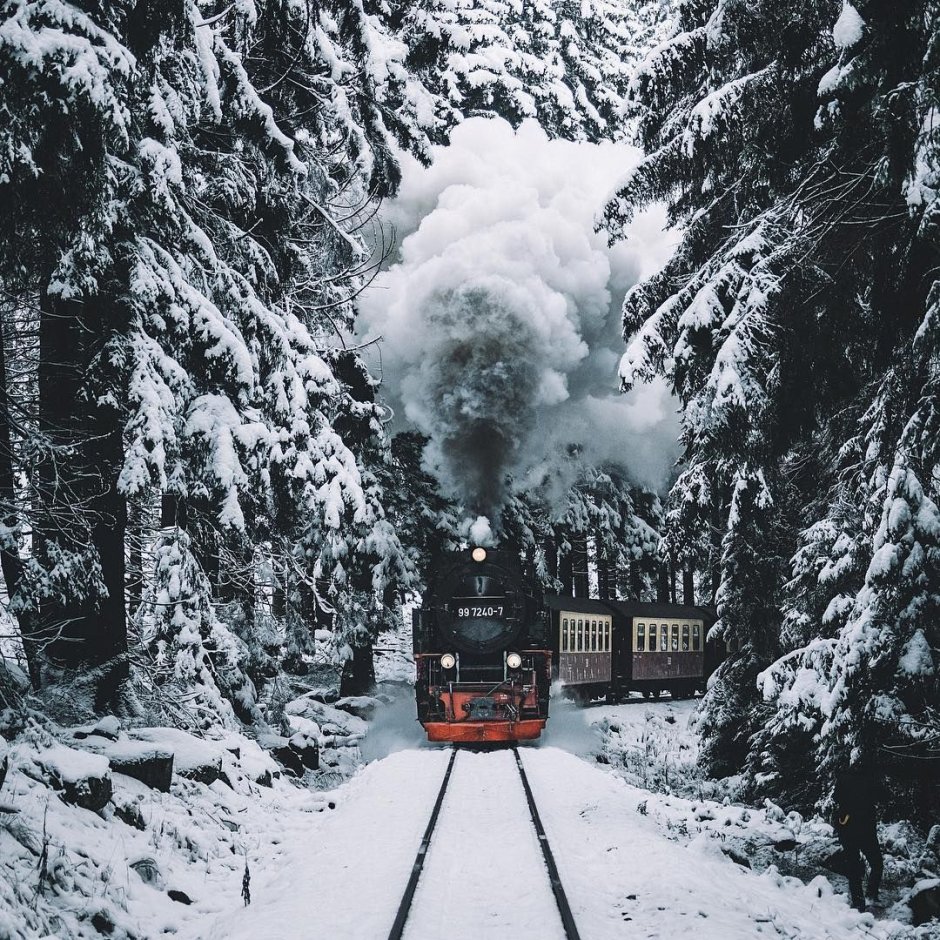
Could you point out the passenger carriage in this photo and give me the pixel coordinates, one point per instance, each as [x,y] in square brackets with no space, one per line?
[660,647]
[582,640]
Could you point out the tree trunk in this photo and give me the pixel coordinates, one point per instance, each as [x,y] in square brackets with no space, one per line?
[662,583]
[550,548]
[78,493]
[579,562]
[359,672]
[10,561]
[135,557]
[636,579]
[566,572]
[688,584]
[603,569]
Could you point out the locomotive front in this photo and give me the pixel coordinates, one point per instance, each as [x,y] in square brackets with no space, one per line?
[483,667]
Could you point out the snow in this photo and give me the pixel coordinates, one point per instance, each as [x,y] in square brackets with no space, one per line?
[339,874]
[632,863]
[645,846]
[624,877]
[917,657]
[848,28]
[480,532]
[71,765]
[465,891]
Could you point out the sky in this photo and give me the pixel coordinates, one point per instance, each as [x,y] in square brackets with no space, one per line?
[499,314]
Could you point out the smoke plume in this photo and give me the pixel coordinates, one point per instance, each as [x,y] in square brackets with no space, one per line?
[501,315]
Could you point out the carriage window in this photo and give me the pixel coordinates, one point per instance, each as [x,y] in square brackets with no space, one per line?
[608,627]
[652,645]
[640,644]
[696,636]
[664,638]
[564,635]
[580,636]
[593,636]
[675,636]
[685,637]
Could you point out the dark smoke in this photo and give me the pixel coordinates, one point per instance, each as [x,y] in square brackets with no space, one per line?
[485,387]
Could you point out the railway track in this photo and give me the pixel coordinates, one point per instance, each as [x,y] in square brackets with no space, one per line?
[463,870]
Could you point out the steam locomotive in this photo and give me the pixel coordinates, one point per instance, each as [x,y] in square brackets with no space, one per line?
[482,658]
[488,645]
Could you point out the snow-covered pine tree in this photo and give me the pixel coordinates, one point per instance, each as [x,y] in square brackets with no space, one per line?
[864,683]
[717,106]
[797,147]
[202,248]
[562,62]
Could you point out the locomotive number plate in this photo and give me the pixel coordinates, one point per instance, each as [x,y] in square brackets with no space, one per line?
[476,610]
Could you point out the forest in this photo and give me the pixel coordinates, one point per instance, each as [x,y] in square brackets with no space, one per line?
[202,485]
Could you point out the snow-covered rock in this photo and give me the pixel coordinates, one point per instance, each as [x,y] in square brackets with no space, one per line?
[81,778]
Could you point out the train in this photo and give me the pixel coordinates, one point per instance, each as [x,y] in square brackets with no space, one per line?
[489,644]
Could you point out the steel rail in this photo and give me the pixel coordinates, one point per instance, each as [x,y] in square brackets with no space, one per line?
[398,928]
[561,899]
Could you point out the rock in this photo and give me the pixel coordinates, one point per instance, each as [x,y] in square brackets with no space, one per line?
[929,860]
[193,758]
[82,779]
[207,772]
[92,793]
[130,814]
[102,922]
[362,706]
[108,727]
[308,750]
[149,872]
[785,845]
[265,779]
[151,767]
[736,856]
[289,759]
[924,901]
[179,896]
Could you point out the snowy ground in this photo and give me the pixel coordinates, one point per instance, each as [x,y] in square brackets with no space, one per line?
[642,848]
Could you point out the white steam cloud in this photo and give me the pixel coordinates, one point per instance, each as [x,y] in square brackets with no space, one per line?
[501,315]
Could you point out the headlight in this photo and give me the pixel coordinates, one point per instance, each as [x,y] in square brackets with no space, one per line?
[448,661]
[478,554]
[513,660]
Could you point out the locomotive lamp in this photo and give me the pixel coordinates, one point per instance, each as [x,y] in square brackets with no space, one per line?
[478,554]
[513,660]
[448,661]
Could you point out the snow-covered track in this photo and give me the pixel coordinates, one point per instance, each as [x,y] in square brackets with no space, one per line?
[484,864]
[405,907]
[561,899]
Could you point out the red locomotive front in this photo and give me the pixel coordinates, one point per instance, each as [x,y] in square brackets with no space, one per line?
[483,669]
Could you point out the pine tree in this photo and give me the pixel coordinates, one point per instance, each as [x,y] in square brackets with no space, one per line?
[563,63]
[204,243]
[797,148]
